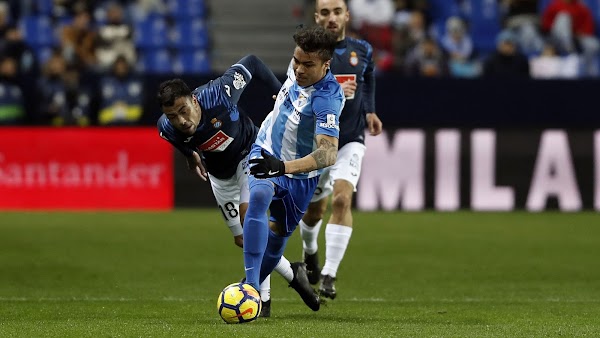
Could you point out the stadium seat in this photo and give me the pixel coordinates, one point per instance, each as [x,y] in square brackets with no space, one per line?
[186,8]
[156,61]
[189,33]
[44,7]
[38,31]
[151,32]
[484,24]
[192,61]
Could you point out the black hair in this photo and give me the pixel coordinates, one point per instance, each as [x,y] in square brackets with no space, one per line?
[171,90]
[316,39]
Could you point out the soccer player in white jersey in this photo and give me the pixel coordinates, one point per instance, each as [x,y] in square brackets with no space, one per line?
[352,64]
[297,139]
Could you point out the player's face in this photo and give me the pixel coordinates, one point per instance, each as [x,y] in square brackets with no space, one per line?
[332,15]
[308,67]
[184,114]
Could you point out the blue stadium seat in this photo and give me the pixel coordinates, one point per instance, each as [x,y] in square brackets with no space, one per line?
[189,34]
[441,10]
[38,31]
[192,62]
[186,8]
[44,7]
[484,24]
[156,61]
[151,32]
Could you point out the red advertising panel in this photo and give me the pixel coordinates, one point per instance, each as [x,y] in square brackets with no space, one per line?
[85,169]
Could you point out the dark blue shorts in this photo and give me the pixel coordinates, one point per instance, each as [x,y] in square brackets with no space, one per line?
[291,198]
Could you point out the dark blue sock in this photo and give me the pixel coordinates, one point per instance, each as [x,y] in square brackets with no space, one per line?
[256,230]
[273,253]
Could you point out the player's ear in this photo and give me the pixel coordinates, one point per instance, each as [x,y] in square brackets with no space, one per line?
[327,64]
[316,18]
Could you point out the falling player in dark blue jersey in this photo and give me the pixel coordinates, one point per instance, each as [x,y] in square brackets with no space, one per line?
[208,128]
[353,66]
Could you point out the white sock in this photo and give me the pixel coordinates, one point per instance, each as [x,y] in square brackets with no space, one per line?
[284,268]
[309,237]
[336,241]
[265,289]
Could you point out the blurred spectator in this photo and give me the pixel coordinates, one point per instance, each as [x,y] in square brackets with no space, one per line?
[12,109]
[64,8]
[426,60]
[65,100]
[571,25]
[78,41]
[4,17]
[407,36]
[522,18]
[456,42]
[121,102]
[372,19]
[458,47]
[115,38]
[507,60]
[405,8]
[12,44]
[551,65]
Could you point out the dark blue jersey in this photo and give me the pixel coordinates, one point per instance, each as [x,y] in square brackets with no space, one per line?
[224,135]
[353,59]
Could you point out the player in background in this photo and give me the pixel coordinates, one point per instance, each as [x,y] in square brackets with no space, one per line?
[295,140]
[353,66]
[207,127]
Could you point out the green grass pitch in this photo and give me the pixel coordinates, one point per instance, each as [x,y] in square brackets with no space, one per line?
[404,275]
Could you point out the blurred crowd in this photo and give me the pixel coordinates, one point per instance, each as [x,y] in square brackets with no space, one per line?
[75,62]
[481,38]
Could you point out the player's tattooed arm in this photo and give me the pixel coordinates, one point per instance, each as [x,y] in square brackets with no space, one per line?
[324,156]
[326,153]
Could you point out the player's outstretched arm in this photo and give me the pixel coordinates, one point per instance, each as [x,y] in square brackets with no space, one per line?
[324,156]
[270,166]
[194,163]
[259,69]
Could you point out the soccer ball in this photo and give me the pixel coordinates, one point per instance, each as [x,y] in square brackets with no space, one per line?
[239,303]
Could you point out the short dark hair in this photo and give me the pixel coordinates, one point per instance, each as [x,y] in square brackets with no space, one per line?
[316,39]
[171,90]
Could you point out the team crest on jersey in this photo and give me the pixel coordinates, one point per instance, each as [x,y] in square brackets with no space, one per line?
[216,123]
[353,58]
[302,100]
[238,81]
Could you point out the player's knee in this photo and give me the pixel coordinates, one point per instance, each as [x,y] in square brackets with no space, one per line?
[341,202]
[314,213]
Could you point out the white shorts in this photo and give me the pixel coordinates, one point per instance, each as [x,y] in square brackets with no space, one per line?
[229,193]
[346,167]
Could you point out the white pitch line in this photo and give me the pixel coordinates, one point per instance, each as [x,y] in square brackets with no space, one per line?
[277,299]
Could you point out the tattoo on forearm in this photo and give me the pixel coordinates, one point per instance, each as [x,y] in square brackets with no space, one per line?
[326,153]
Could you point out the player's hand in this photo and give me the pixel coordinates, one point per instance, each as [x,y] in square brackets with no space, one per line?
[374,124]
[268,166]
[349,87]
[195,164]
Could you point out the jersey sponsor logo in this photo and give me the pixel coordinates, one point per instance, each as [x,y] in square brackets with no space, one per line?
[296,116]
[228,90]
[217,143]
[238,81]
[330,124]
[353,58]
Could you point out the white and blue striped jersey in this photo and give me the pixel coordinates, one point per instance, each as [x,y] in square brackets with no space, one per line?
[299,114]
